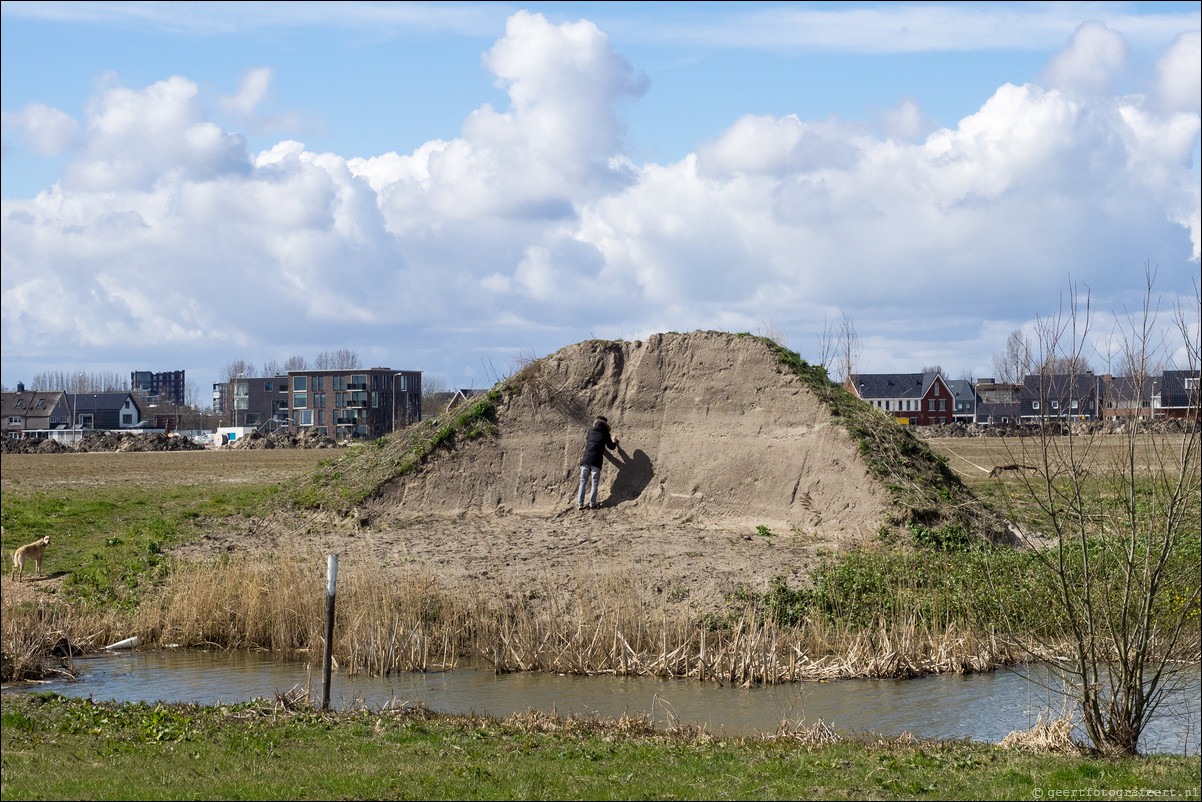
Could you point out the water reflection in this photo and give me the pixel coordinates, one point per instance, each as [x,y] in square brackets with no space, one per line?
[982,707]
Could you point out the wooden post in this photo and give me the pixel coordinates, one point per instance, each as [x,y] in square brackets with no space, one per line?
[331,582]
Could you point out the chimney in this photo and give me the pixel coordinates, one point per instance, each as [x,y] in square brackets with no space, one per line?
[20,387]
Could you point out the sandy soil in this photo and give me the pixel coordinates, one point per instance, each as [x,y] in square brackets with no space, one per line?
[716,442]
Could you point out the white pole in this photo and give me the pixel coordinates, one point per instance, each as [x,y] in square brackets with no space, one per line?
[331,583]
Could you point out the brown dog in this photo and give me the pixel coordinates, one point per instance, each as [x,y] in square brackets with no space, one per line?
[30,551]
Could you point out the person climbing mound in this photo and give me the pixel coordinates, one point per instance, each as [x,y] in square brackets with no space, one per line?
[595,443]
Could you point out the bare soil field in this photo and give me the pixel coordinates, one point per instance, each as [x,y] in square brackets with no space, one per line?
[973,458]
[32,472]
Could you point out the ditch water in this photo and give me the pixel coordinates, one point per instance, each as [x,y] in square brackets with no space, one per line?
[983,707]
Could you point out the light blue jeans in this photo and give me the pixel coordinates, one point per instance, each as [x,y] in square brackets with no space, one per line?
[585,472]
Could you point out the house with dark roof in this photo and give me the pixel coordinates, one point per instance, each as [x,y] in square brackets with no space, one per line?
[914,399]
[32,413]
[1061,396]
[964,410]
[1126,397]
[1175,394]
[462,396]
[990,413]
[105,411]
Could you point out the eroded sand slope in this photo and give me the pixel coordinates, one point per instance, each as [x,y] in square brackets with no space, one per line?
[710,427]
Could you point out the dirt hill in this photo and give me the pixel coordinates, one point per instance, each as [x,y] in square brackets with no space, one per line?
[710,428]
[738,464]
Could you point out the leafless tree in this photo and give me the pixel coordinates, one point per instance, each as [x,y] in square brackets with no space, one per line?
[933,369]
[1120,531]
[80,382]
[1014,362]
[272,367]
[839,347]
[295,362]
[342,359]
[235,369]
[773,332]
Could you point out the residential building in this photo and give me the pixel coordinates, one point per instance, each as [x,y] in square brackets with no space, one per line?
[1061,396]
[166,386]
[462,396]
[990,413]
[105,411]
[358,403]
[914,399]
[964,409]
[1175,394]
[991,391]
[255,401]
[33,413]
[1125,397]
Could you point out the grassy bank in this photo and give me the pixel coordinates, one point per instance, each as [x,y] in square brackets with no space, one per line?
[76,749]
[917,602]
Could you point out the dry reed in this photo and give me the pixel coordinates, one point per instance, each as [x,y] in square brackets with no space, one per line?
[1053,735]
[391,620]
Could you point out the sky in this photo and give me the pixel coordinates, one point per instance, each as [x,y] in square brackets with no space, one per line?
[458,187]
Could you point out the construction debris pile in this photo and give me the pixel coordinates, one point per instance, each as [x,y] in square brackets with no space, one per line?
[307,438]
[103,441]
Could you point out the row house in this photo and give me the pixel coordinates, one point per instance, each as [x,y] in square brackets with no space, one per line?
[914,399]
[1175,394]
[1061,396]
[40,413]
[33,413]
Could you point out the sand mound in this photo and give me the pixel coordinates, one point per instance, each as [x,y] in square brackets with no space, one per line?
[711,426]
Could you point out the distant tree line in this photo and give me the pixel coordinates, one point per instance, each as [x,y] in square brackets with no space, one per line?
[101,382]
[342,359]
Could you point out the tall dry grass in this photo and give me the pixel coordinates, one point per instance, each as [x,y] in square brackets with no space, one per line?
[389,621]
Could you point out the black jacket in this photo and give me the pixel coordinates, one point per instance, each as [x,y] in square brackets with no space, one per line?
[595,444]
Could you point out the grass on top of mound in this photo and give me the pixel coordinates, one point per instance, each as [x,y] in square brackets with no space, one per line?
[928,498]
[341,483]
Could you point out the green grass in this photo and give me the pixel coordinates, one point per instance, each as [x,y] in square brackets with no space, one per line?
[342,483]
[109,539]
[61,748]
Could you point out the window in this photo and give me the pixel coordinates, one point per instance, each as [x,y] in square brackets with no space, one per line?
[300,400]
[300,383]
[930,405]
[1191,384]
[268,386]
[1034,405]
[886,406]
[943,405]
[14,421]
[319,383]
[1074,403]
[304,417]
[1055,405]
[127,419]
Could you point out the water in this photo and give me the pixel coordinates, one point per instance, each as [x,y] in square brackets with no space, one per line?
[983,707]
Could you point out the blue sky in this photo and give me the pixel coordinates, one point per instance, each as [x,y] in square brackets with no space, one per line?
[447,187]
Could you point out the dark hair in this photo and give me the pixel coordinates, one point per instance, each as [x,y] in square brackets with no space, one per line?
[603,419]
